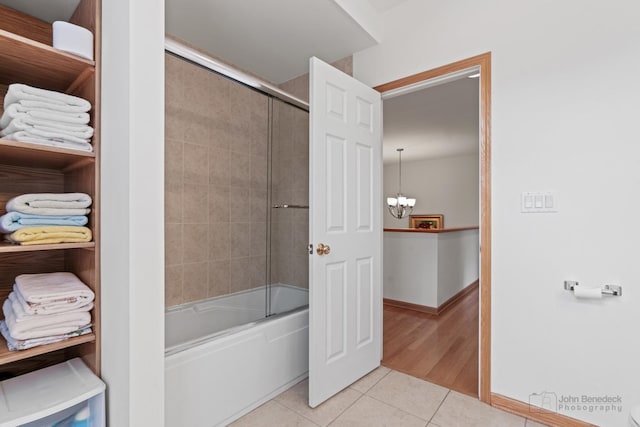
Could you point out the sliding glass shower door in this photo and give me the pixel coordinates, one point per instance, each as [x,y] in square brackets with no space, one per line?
[288,256]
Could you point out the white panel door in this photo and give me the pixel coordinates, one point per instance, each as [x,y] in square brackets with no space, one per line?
[345,295]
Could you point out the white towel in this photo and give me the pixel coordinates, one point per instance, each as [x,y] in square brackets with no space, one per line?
[49,293]
[18,306]
[17,111]
[50,142]
[20,92]
[51,204]
[43,105]
[49,129]
[61,323]
[14,344]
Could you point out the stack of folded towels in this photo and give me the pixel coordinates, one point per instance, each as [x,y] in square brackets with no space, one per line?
[45,117]
[34,219]
[46,308]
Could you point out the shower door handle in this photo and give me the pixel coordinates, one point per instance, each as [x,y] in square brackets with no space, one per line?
[323,249]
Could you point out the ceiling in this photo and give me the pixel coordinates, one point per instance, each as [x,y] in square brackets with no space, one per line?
[384,5]
[260,37]
[435,122]
[47,10]
[273,39]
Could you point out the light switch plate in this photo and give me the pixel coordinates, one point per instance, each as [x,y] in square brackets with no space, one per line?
[539,202]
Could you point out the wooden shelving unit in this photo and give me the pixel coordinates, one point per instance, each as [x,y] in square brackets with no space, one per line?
[7,356]
[8,247]
[34,63]
[26,56]
[18,153]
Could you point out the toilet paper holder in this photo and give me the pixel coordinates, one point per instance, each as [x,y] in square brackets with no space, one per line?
[613,290]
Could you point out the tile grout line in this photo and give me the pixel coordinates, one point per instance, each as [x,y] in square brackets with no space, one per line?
[295,412]
[309,419]
[345,409]
[361,395]
[349,406]
[399,409]
[438,408]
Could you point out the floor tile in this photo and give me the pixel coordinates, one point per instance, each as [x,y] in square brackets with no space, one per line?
[365,383]
[297,399]
[531,423]
[459,410]
[368,412]
[410,394]
[273,414]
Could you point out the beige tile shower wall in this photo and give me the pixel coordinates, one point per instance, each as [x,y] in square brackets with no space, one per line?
[290,185]
[215,184]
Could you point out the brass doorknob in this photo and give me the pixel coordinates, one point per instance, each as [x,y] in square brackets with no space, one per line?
[323,249]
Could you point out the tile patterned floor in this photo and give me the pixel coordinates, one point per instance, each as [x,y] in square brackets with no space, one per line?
[382,398]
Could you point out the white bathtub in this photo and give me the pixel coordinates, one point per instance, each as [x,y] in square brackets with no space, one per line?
[223,358]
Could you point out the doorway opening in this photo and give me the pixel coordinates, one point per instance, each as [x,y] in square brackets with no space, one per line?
[479,296]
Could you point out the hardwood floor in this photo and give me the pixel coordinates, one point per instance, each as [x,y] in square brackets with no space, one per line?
[440,349]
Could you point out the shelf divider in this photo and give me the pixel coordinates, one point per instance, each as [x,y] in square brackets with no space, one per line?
[19,153]
[7,356]
[8,247]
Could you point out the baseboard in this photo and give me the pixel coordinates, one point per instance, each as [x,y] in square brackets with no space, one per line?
[410,306]
[538,414]
[436,311]
[457,297]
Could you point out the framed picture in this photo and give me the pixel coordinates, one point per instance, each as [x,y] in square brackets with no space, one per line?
[426,222]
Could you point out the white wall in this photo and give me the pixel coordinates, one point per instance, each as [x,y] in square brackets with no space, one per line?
[411,267]
[564,117]
[447,186]
[132,181]
[458,262]
[429,268]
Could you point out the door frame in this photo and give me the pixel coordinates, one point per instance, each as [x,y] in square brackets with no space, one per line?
[483,63]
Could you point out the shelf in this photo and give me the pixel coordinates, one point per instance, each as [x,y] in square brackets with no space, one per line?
[7,356]
[8,247]
[18,153]
[26,61]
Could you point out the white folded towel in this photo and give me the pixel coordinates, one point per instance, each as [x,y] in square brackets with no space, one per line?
[14,344]
[48,293]
[43,105]
[18,306]
[51,204]
[49,129]
[17,111]
[21,92]
[50,142]
[58,324]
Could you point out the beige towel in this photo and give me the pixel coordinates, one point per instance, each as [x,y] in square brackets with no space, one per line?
[58,324]
[51,204]
[48,293]
[50,234]
[14,344]
[18,305]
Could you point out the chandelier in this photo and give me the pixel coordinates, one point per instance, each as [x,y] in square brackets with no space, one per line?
[400,205]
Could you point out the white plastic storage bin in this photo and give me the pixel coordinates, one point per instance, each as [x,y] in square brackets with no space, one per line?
[52,396]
